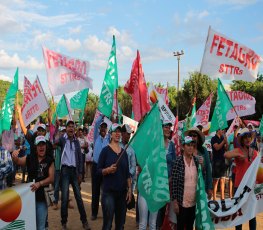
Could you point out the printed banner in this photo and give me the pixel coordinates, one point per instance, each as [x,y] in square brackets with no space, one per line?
[90,136]
[231,128]
[65,74]
[244,104]
[132,123]
[202,114]
[35,102]
[247,202]
[166,113]
[227,59]
[17,208]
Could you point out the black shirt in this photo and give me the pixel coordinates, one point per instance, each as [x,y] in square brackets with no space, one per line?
[38,171]
[115,182]
[218,155]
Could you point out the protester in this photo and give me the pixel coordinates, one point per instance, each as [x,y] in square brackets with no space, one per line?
[101,139]
[184,183]
[219,145]
[6,165]
[117,188]
[84,146]
[41,169]
[243,160]
[203,157]
[170,159]
[71,174]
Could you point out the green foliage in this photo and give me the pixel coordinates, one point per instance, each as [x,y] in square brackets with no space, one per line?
[199,86]
[91,106]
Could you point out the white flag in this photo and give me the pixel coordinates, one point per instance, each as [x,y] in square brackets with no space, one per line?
[227,59]
[65,74]
[35,102]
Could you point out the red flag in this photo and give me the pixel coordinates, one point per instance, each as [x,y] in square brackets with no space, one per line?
[136,87]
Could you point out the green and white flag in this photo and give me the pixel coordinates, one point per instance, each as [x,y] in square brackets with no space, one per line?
[223,105]
[261,127]
[110,83]
[148,144]
[202,214]
[62,109]
[78,101]
[8,105]
[193,116]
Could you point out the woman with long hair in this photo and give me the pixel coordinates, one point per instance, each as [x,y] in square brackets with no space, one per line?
[117,191]
[40,168]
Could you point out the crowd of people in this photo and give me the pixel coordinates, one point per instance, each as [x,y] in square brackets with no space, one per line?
[61,155]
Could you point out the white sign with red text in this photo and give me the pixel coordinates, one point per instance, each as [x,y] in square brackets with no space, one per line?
[244,104]
[65,74]
[246,203]
[90,137]
[227,59]
[202,114]
[35,102]
[132,123]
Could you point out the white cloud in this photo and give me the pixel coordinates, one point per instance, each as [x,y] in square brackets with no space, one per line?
[99,47]
[122,37]
[41,38]
[193,15]
[8,62]
[70,44]
[75,30]
[5,78]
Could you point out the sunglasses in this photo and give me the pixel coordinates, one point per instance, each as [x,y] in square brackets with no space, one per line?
[193,135]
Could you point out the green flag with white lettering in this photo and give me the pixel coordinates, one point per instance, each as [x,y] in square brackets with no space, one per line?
[110,83]
[223,105]
[148,144]
[202,215]
[7,110]
[78,101]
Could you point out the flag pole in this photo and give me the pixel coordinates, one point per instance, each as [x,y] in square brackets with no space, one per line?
[139,82]
[127,145]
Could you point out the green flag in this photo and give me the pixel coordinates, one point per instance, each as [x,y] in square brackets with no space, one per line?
[62,109]
[8,105]
[78,101]
[202,215]
[223,105]
[193,116]
[148,144]
[110,83]
[261,127]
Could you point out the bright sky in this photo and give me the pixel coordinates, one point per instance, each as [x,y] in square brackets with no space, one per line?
[83,29]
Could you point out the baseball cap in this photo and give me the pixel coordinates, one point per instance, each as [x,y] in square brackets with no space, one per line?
[188,140]
[70,122]
[40,139]
[103,123]
[114,127]
[43,126]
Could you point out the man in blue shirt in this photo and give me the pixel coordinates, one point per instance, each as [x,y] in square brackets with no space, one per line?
[101,139]
[71,173]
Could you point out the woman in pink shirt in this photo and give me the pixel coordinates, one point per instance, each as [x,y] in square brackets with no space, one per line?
[184,181]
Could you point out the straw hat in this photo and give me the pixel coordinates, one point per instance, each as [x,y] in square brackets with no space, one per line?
[199,133]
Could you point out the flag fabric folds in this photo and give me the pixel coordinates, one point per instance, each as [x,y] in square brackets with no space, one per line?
[223,105]
[202,214]
[110,83]
[136,87]
[78,101]
[65,74]
[148,144]
[7,110]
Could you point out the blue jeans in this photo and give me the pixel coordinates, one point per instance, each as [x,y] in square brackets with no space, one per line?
[95,188]
[69,176]
[113,203]
[143,212]
[56,185]
[41,214]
